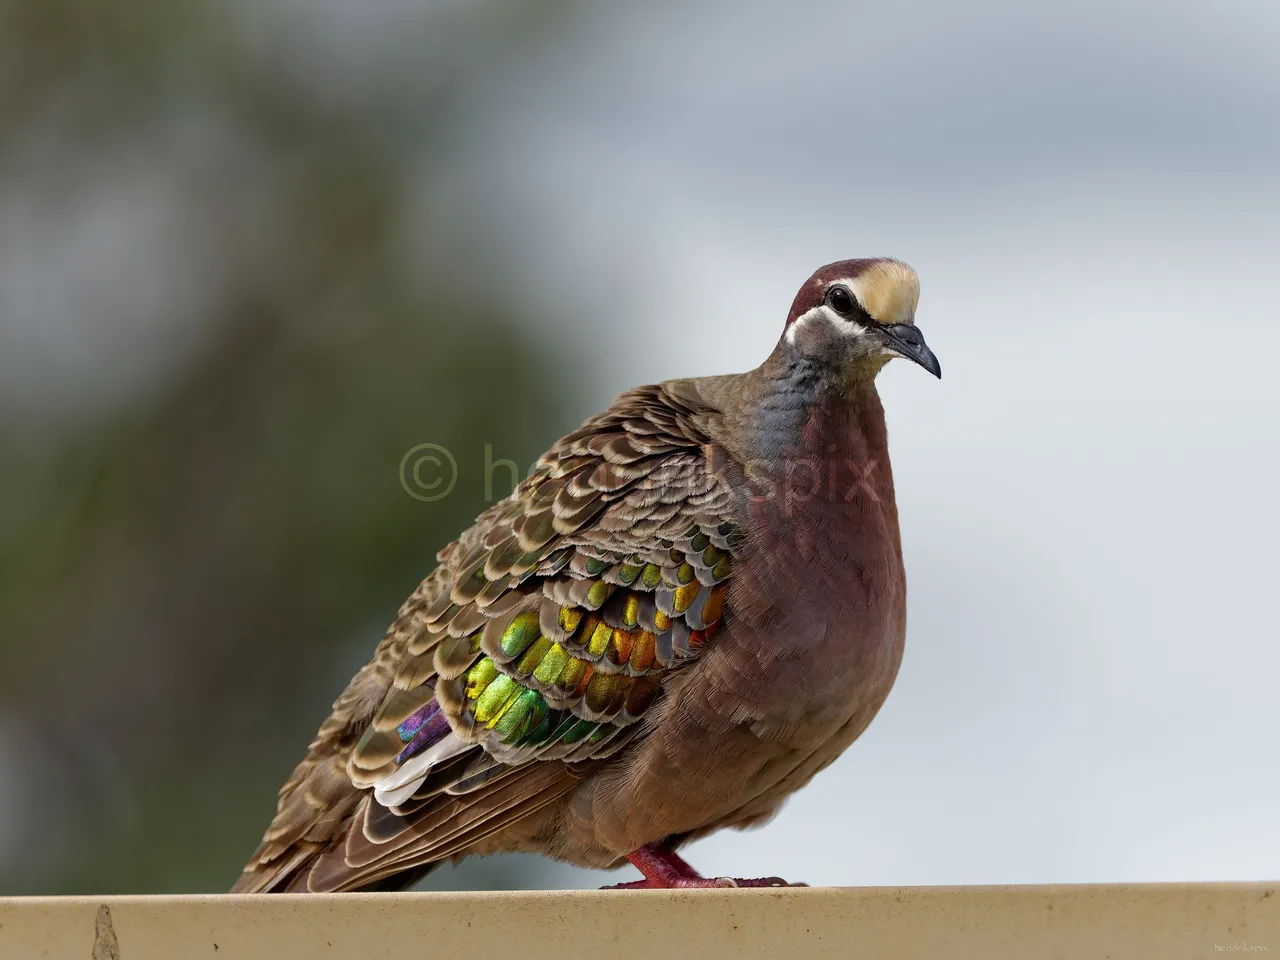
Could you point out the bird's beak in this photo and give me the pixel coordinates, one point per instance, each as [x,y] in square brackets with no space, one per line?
[907,341]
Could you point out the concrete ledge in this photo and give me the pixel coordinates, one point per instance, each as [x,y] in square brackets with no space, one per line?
[1166,921]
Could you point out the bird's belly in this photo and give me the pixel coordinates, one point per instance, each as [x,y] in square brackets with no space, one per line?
[752,722]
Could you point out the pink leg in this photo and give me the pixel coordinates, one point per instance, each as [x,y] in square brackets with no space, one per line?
[664,869]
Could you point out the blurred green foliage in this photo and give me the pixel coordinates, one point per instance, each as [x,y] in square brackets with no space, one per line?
[189,574]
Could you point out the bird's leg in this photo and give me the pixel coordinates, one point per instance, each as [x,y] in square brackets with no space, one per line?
[664,869]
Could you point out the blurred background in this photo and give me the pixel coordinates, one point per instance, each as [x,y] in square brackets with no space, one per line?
[254,251]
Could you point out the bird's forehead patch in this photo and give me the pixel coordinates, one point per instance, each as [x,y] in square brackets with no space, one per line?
[888,290]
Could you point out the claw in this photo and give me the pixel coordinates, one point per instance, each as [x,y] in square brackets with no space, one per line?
[664,869]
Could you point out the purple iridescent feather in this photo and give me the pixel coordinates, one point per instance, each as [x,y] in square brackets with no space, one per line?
[421,729]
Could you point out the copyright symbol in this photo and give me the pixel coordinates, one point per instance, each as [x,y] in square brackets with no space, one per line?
[428,472]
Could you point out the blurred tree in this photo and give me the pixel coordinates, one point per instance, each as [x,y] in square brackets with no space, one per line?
[203,531]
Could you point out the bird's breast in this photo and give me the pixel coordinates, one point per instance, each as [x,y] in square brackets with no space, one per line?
[815,622]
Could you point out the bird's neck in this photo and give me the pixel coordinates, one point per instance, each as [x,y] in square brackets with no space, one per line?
[814,435]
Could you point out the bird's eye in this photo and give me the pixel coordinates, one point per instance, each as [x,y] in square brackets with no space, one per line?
[841,300]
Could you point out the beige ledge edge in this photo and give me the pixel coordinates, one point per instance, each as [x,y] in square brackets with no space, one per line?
[1164,921]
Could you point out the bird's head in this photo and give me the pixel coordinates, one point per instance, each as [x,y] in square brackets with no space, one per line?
[856,315]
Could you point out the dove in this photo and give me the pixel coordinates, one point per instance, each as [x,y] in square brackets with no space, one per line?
[693,604]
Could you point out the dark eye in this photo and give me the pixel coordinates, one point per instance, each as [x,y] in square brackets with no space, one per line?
[841,300]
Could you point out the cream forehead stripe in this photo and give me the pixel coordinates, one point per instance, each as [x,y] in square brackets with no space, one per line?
[888,291]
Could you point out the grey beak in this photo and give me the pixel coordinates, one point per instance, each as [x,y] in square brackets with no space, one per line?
[907,341]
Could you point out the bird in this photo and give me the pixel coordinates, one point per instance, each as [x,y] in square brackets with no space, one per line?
[690,606]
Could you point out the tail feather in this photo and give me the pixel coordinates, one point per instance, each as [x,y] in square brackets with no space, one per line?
[292,875]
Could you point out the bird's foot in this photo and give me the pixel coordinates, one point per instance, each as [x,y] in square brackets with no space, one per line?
[664,869]
[703,883]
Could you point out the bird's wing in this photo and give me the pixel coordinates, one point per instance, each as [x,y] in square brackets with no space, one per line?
[532,651]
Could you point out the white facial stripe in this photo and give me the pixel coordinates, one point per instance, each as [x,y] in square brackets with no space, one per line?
[803,318]
[846,328]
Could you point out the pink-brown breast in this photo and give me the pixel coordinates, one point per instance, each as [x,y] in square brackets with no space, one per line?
[811,643]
